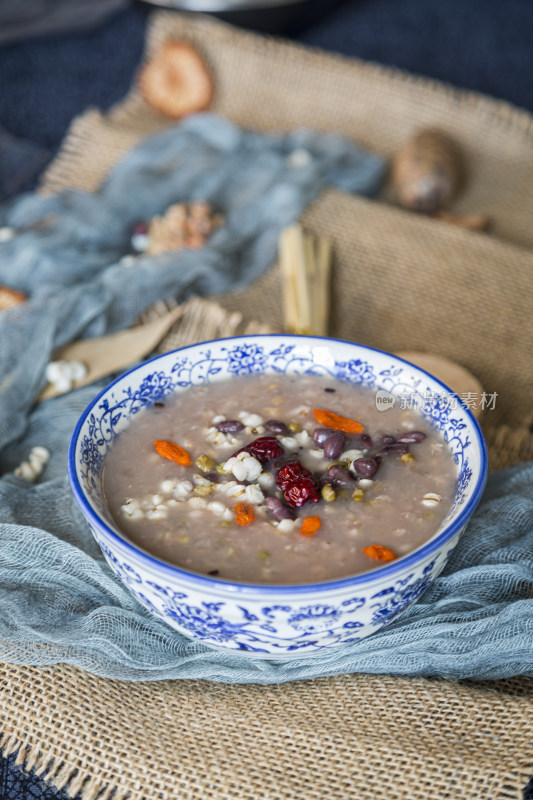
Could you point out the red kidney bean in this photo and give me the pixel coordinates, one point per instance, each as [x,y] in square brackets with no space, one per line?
[320,435]
[230,426]
[395,449]
[365,467]
[388,438]
[214,477]
[411,437]
[340,477]
[366,440]
[275,426]
[334,445]
[278,509]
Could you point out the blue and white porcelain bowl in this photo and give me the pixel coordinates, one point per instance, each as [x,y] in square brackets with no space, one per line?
[274,621]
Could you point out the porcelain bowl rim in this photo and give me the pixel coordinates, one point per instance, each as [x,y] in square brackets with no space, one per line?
[230,588]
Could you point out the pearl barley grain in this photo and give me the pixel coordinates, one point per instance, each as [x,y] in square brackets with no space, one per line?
[431,499]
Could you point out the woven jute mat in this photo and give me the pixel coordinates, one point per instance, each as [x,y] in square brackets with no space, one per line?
[401,282]
[351,737]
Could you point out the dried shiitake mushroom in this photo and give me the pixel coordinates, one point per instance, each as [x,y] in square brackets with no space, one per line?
[176,80]
[427,172]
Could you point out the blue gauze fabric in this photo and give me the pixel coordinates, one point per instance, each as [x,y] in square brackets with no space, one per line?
[67,254]
[59,602]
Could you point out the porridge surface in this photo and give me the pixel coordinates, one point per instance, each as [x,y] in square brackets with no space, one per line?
[377,495]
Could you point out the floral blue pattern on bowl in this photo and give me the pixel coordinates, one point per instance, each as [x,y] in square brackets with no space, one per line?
[274,621]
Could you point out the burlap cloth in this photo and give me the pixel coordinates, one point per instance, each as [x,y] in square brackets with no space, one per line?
[401,282]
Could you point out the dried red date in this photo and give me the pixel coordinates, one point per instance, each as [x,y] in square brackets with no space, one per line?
[264,449]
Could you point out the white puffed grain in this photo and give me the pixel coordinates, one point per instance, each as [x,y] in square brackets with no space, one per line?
[130,507]
[250,420]
[286,525]
[182,489]
[54,371]
[63,385]
[253,467]
[226,442]
[6,234]
[299,158]
[40,453]
[227,465]
[299,411]
[239,470]
[302,438]
[201,481]
[316,453]
[140,242]
[26,471]
[237,490]
[214,436]
[351,455]
[227,486]
[265,480]
[197,502]
[78,370]
[254,430]
[216,507]
[254,494]
[36,464]
[289,442]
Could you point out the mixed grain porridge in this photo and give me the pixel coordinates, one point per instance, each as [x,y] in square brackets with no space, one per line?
[279,480]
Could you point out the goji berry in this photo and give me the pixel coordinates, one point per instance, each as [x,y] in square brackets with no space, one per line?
[244,514]
[379,552]
[172,452]
[332,420]
[310,525]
